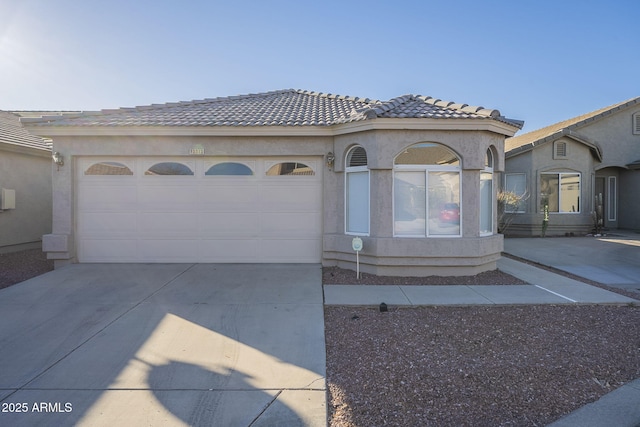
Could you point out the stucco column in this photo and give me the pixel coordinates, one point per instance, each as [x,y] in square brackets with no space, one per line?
[470,194]
[381,202]
[59,245]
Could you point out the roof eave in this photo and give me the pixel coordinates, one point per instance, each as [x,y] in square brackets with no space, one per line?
[22,149]
[491,125]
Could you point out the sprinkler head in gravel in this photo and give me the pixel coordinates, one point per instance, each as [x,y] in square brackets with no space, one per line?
[383,308]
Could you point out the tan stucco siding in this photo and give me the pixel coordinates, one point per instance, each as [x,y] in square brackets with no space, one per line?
[30,177]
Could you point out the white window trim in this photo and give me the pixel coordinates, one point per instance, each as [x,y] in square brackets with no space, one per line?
[559,194]
[347,171]
[612,199]
[492,205]
[426,169]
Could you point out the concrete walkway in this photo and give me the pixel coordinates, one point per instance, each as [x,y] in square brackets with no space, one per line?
[170,345]
[545,288]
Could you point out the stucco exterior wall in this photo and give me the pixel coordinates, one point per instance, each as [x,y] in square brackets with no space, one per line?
[538,161]
[382,254]
[613,133]
[385,254]
[29,174]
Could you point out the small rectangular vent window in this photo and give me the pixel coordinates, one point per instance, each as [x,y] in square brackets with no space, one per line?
[560,150]
[636,124]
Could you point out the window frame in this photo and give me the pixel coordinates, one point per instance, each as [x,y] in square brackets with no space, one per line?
[189,165]
[356,170]
[212,165]
[559,175]
[635,123]
[506,188]
[488,170]
[426,169]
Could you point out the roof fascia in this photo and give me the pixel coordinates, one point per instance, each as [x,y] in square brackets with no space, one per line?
[340,129]
[565,132]
[426,124]
[31,151]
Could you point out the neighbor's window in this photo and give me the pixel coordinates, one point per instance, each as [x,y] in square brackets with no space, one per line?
[636,124]
[426,185]
[515,183]
[290,168]
[229,168]
[169,168]
[108,168]
[560,192]
[357,192]
[486,196]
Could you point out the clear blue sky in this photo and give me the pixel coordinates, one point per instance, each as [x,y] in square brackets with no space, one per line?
[540,61]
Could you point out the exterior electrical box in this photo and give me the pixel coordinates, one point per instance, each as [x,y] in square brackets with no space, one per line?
[7,199]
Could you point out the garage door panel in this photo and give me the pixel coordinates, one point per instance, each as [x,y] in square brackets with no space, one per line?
[91,223]
[108,250]
[102,197]
[290,198]
[166,197]
[168,250]
[168,223]
[229,224]
[198,218]
[229,199]
[290,250]
[230,250]
[290,224]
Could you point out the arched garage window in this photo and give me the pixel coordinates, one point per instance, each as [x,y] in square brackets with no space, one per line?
[426,185]
[169,168]
[290,168]
[486,196]
[108,168]
[229,168]
[357,192]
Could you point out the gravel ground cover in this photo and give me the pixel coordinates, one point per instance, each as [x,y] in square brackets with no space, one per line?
[341,276]
[17,267]
[475,366]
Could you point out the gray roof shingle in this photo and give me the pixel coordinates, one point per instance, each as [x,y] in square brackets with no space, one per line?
[527,141]
[12,132]
[288,107]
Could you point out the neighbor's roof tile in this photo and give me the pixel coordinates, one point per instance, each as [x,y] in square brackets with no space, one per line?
[12,132]
[278,108]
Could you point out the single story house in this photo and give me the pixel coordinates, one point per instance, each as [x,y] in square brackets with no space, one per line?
[575,168]
[285,176]
[25,186]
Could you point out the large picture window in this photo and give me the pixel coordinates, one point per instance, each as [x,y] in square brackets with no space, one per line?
[560,192]
[426,200]
[357,192]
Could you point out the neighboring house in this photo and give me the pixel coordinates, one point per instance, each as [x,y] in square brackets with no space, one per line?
[283,176]
[566,165]
[25,186]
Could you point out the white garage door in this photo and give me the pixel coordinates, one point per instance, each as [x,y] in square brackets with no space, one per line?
[199,209]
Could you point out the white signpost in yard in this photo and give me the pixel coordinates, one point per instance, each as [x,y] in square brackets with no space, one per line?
[356,244]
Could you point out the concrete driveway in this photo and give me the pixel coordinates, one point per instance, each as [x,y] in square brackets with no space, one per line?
[164,344]
[612,260]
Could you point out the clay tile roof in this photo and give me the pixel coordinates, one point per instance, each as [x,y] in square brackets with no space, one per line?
[12,132]
[278,108]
